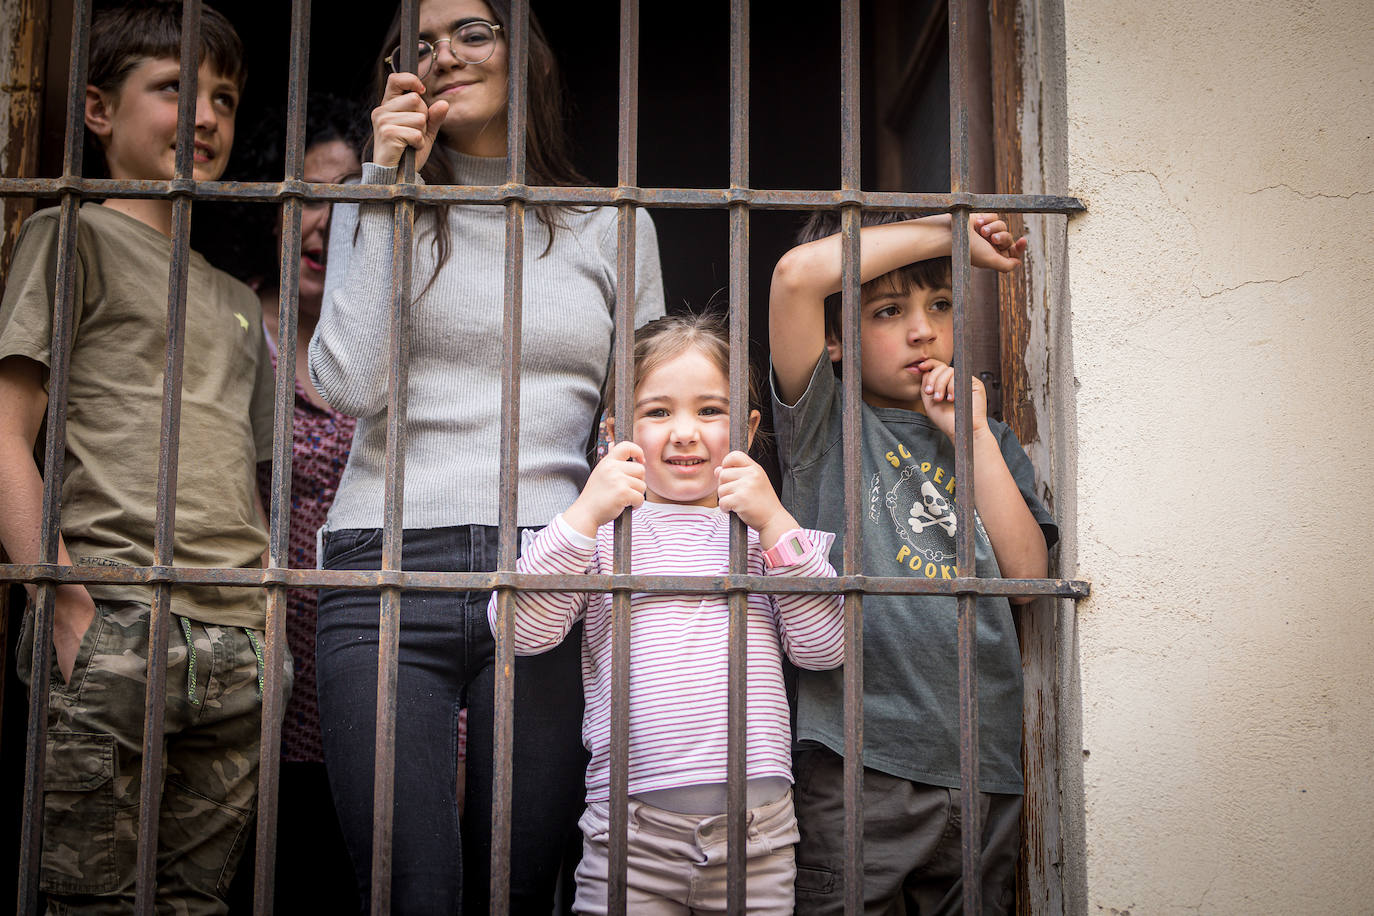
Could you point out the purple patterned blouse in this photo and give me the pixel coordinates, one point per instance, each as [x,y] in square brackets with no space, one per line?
[320,443]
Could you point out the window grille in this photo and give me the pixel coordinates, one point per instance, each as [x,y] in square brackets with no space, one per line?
[515,196]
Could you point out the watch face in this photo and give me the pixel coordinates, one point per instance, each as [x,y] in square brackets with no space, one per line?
[789,549]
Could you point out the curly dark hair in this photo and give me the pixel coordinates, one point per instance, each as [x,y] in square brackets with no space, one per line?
[242,240]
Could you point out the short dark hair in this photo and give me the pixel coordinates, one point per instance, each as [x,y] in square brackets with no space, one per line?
[933,273]
[122,36]
[126,34]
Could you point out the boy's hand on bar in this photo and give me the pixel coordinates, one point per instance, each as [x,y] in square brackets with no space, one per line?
[991,245]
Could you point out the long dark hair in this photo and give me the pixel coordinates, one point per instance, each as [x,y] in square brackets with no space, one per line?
[547,160]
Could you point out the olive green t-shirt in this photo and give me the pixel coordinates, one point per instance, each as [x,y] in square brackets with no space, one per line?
[114,404]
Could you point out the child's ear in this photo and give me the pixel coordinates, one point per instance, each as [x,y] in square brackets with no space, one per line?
[834,348]
[99,109]
[754,418]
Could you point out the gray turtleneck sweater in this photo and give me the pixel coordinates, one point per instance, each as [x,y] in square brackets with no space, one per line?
[453,411]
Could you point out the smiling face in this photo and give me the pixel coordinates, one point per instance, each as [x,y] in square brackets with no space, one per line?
[326,162]
[136,123]
[899,330]
[476,93]
[682,422]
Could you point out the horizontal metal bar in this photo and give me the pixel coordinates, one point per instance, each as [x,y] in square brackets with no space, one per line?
[668,198]
[487,581]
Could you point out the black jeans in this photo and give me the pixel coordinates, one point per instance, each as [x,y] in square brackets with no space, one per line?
[446,655]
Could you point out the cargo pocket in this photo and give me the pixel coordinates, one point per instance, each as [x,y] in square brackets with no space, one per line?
[79,814]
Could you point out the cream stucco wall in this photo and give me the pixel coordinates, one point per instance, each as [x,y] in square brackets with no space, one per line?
[1223,358]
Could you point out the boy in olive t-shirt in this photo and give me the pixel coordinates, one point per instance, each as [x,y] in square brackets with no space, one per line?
[912,843]
[109,483]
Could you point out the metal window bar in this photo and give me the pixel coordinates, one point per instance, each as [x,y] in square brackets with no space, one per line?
[971,833]
[515,196]
[736,763]
[627,170]
[279,526]
[504,699]
[54,455]
[853,464]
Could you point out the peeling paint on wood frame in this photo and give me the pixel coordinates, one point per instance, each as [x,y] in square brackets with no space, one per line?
[23,55]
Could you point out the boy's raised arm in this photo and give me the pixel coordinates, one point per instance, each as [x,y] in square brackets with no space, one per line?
[796,317]
[807,274]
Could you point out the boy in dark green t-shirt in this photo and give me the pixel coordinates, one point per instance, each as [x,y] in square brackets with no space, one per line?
[113,410]
[910,668]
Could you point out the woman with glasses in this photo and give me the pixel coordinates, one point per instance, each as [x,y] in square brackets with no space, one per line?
[453,113]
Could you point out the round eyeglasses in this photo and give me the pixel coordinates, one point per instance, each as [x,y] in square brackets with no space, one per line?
[473,43]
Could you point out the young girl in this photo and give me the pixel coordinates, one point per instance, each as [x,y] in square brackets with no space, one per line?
[677,472]
[452,112]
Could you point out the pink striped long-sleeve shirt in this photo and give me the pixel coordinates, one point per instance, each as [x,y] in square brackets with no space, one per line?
[679,646]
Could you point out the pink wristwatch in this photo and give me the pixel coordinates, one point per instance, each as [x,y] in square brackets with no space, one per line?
[790,549]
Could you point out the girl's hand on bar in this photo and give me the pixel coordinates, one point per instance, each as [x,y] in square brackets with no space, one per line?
[742,487]
[616,483]
[404,120]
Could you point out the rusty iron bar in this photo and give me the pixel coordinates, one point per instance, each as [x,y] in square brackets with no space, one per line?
[967,562]
[626,192]
[627,167]
[971,821]
[393,521]
[851,221]
[279,527]
[54,455]
[737,705]
[532,582]
[155,703]
[504,699]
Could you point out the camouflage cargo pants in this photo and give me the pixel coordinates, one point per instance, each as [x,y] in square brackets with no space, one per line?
[94,759]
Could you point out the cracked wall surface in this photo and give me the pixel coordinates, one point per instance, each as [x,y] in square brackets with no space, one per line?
[1222,341]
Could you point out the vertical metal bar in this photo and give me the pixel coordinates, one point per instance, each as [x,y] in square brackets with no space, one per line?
[279,529]
[627,156]
[737,770]
[54,454]
[155,703]
[389,620]
[963,459]
[501,798]
[853,466]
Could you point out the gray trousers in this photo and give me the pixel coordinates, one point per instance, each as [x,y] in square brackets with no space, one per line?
[912,838]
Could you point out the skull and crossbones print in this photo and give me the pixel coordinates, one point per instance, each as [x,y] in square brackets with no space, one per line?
[933,509]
